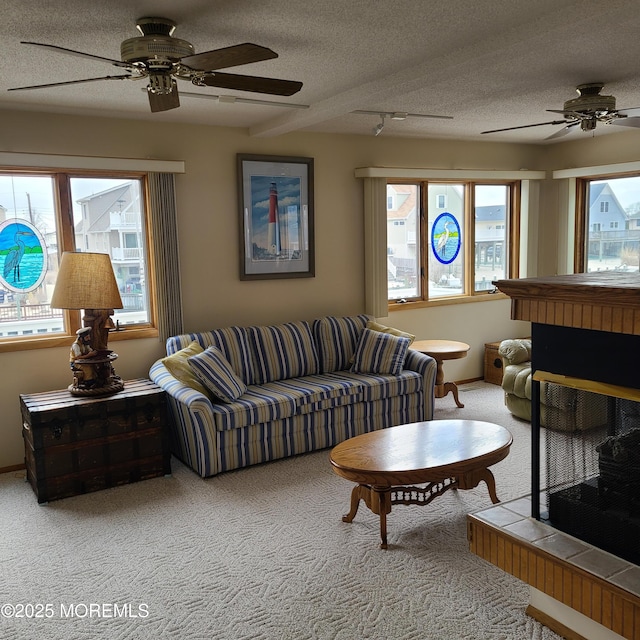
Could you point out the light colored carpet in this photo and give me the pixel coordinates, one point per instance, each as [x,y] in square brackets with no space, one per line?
[261,553]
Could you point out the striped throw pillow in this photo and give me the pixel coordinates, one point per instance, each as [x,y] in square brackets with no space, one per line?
[217,375]
[378,352]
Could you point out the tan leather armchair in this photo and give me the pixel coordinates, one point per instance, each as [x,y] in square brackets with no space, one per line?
[561,408]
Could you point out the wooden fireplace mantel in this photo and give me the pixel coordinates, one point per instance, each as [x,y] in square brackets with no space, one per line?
[603,301]
[585,332]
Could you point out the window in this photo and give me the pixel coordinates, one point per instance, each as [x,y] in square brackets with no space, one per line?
[44,214]
[453,252]
[608,237]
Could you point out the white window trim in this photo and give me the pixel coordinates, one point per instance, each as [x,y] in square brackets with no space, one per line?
[51,161]
[599,170]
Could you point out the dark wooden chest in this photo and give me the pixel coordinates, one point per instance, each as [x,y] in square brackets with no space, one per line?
[75,445]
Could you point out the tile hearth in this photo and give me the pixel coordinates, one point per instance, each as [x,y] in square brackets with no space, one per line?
[593,582]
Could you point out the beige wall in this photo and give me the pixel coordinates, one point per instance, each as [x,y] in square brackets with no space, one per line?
[208,237]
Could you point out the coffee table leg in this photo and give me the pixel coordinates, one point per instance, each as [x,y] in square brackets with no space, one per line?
[381,505]
[378,501]
[473,478]
[360,492]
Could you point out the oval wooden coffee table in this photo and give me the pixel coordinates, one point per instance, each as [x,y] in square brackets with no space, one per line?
[441,454]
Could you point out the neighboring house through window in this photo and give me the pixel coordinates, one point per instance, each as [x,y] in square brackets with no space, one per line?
[44,214]
[454,252]
[608,234]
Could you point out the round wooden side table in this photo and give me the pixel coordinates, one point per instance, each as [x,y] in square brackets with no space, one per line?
[441,350]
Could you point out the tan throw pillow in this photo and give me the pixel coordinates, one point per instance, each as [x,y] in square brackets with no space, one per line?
[374,326]
[178,366]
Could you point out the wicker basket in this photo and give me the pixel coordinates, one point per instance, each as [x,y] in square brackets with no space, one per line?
[492,363]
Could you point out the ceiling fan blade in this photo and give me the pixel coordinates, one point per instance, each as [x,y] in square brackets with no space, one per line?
[117,63]
[526,126]
[562,132]
[228,57]
[163,101]
[273,86]
[627,122]
[58,84]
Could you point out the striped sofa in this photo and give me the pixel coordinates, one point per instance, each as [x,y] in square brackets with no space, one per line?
[300,390]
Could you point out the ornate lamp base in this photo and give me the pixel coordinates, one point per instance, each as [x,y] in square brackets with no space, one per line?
[113,385]
[102,379]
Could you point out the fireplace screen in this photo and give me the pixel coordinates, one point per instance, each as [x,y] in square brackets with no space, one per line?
[592,463]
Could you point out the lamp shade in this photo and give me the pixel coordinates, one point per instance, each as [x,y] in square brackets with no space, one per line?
[86,281]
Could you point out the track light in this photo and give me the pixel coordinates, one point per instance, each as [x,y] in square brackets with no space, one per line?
[377,130]
[395,115]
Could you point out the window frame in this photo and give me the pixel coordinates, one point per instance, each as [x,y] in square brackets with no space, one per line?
[61,178]
[512,237]
[581,222]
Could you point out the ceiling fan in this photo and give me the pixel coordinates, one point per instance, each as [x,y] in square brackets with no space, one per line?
[159,57]
[586,110]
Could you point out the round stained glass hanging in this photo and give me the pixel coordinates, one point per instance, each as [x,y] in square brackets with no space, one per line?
[446,238]
[23,256]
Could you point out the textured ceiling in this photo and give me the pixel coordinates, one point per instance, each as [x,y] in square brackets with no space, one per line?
[486,63]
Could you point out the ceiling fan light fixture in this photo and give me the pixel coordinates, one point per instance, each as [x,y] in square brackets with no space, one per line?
[588,124]
[161,83]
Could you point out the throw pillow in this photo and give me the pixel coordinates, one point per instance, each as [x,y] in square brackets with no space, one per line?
[179,368]
[217,375]
[375,326]
[378,352]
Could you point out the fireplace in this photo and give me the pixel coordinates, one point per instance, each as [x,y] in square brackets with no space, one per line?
[585,476]
[591,474]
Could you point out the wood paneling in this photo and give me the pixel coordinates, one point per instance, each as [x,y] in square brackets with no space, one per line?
[602,302]
[594,597]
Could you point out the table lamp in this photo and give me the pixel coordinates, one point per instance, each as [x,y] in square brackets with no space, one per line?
[86,281]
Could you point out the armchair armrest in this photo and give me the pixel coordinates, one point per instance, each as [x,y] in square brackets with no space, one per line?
[515,351]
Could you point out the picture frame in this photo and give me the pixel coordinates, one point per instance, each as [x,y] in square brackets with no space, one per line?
[275,196]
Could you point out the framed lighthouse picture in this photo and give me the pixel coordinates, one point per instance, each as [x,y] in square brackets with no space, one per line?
[275,195]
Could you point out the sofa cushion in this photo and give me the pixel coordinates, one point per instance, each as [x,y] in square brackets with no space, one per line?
[378,352]
[380,386]
[283,351]
[232,341]
[336,339]
[178,365]
[217,375]
[260,403]
[299,396]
